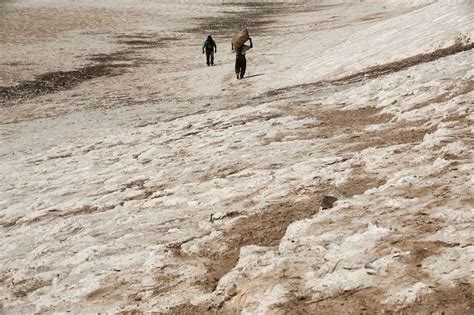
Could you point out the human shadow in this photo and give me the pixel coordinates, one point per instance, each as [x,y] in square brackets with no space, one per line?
[254,75]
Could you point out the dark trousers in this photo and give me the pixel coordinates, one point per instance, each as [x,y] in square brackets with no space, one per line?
[240,65]
[210,56]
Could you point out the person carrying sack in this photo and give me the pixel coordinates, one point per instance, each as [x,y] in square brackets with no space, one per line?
[210,47]
[240,60]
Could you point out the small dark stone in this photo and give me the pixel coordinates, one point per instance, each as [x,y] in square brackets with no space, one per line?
[328,202]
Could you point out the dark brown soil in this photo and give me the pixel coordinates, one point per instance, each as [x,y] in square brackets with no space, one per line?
[262,229]
[397,134]
[55,81]
[102,65]
[457,300]
[332,122]
[359,182]
[253,15]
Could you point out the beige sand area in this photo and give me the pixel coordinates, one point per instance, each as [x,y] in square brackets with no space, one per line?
[135,178]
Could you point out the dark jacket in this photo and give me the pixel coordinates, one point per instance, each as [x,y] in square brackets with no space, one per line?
[209,44]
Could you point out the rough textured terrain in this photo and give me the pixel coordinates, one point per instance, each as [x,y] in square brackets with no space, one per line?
[137,179]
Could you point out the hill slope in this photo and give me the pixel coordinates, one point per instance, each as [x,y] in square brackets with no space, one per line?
[135,179]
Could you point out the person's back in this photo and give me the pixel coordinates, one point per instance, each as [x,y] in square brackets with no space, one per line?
[242,50]
[209,44]
[210,48]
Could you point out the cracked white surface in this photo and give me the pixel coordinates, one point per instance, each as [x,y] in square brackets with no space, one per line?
[91,198]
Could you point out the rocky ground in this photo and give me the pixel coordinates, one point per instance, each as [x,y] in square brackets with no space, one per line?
[335,178]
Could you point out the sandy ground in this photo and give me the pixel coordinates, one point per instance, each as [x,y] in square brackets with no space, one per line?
[137,179]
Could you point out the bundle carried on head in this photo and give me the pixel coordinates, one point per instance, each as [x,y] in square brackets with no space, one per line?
[240,38]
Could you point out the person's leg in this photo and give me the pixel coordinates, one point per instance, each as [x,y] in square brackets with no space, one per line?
[208,55]
[243,67]
[212,57]
[237,67]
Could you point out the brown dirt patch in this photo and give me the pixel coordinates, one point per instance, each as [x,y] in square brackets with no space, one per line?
[358,301]
[332,122]
[457,300]
[253,15]
[144,40]
[353,122]
[419,250]
[25,287]
[55,81]
[189,309]
[359,182]
[110,64]
[444,97]
[350,121]
[263,229]
[395,135]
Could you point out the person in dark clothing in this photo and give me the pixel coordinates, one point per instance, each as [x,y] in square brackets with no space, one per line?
[210,48]
[240,60]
